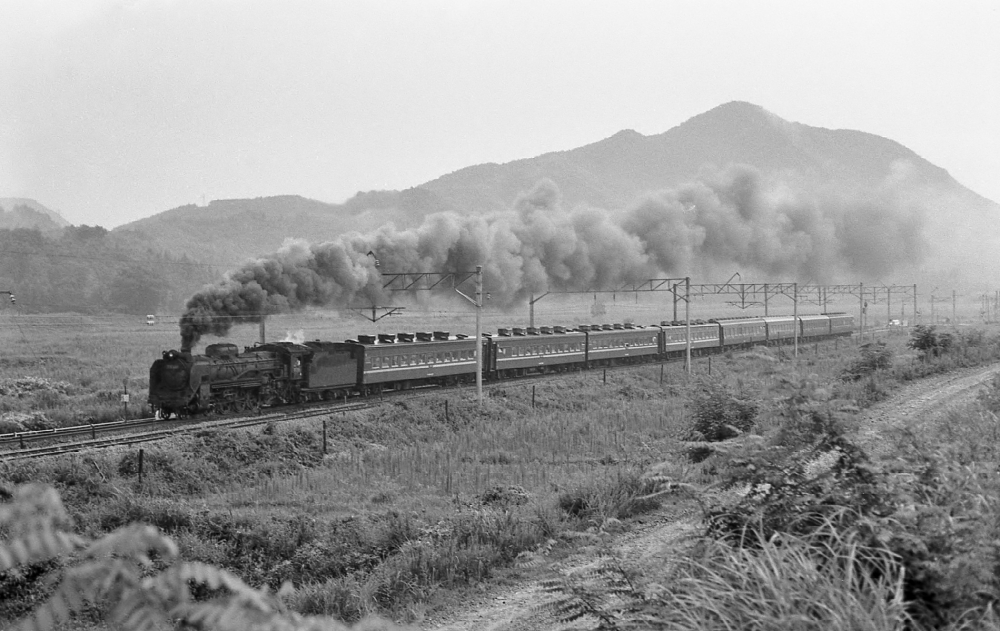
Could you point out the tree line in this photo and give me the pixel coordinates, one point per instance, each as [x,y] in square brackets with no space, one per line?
[92,270]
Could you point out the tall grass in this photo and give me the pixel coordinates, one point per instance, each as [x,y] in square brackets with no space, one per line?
[408,500]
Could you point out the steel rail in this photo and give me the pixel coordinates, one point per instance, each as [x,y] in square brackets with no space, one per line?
[189,425]
[188,428]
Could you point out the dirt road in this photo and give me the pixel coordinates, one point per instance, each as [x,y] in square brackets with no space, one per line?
[513,607]
[917,401]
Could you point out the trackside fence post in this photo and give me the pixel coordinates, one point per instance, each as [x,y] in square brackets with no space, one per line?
[324,436]
[141,452]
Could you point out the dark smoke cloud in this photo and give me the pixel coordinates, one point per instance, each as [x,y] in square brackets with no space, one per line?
[723,222]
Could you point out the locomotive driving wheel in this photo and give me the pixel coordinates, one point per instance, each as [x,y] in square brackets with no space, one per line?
[245,402]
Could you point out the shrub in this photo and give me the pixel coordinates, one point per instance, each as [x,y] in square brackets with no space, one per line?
[719,414]
[925,339]
[504,496]
[875,356]
[627,495]
[808,474]
[133,574]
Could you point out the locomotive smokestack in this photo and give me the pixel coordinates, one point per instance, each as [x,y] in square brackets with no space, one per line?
[263,339]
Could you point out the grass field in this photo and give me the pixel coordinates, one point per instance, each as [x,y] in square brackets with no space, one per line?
[409,505]
[78,367]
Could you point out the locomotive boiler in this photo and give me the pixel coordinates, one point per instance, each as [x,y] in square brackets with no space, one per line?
[225,380]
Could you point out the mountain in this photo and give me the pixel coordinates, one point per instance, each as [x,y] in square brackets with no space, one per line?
[20,212]
[228,232]
[615,174]
[611,173]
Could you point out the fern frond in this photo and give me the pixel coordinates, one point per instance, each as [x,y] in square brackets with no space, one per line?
[32,506]
[39,546]
[134,541]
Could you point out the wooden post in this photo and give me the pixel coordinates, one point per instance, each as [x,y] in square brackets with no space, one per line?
[532,397]
[446,416]
[605,375]
[661,373]
[141,451]
[324,436]
[93,432]
[709,364]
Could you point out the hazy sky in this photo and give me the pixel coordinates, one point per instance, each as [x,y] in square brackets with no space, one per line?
[112,111]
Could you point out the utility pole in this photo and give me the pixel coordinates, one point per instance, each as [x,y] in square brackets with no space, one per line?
[795,315]
[426,281]
[888,309]
[687,319]
[861,312]
[479,333]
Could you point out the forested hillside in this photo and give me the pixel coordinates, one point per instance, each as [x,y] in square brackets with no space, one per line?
[91,270]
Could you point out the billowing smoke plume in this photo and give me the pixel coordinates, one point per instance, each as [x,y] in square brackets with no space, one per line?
[717,224]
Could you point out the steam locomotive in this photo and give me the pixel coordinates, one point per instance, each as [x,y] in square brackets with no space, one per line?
[225,380]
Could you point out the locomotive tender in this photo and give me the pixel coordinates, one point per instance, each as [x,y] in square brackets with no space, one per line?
[227,381]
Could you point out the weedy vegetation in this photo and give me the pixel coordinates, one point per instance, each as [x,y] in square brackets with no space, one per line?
[409,508]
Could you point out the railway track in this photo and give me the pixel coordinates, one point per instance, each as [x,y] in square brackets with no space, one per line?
[178,427]
[15,446]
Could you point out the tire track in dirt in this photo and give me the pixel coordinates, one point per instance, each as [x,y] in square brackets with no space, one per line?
[515,608]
